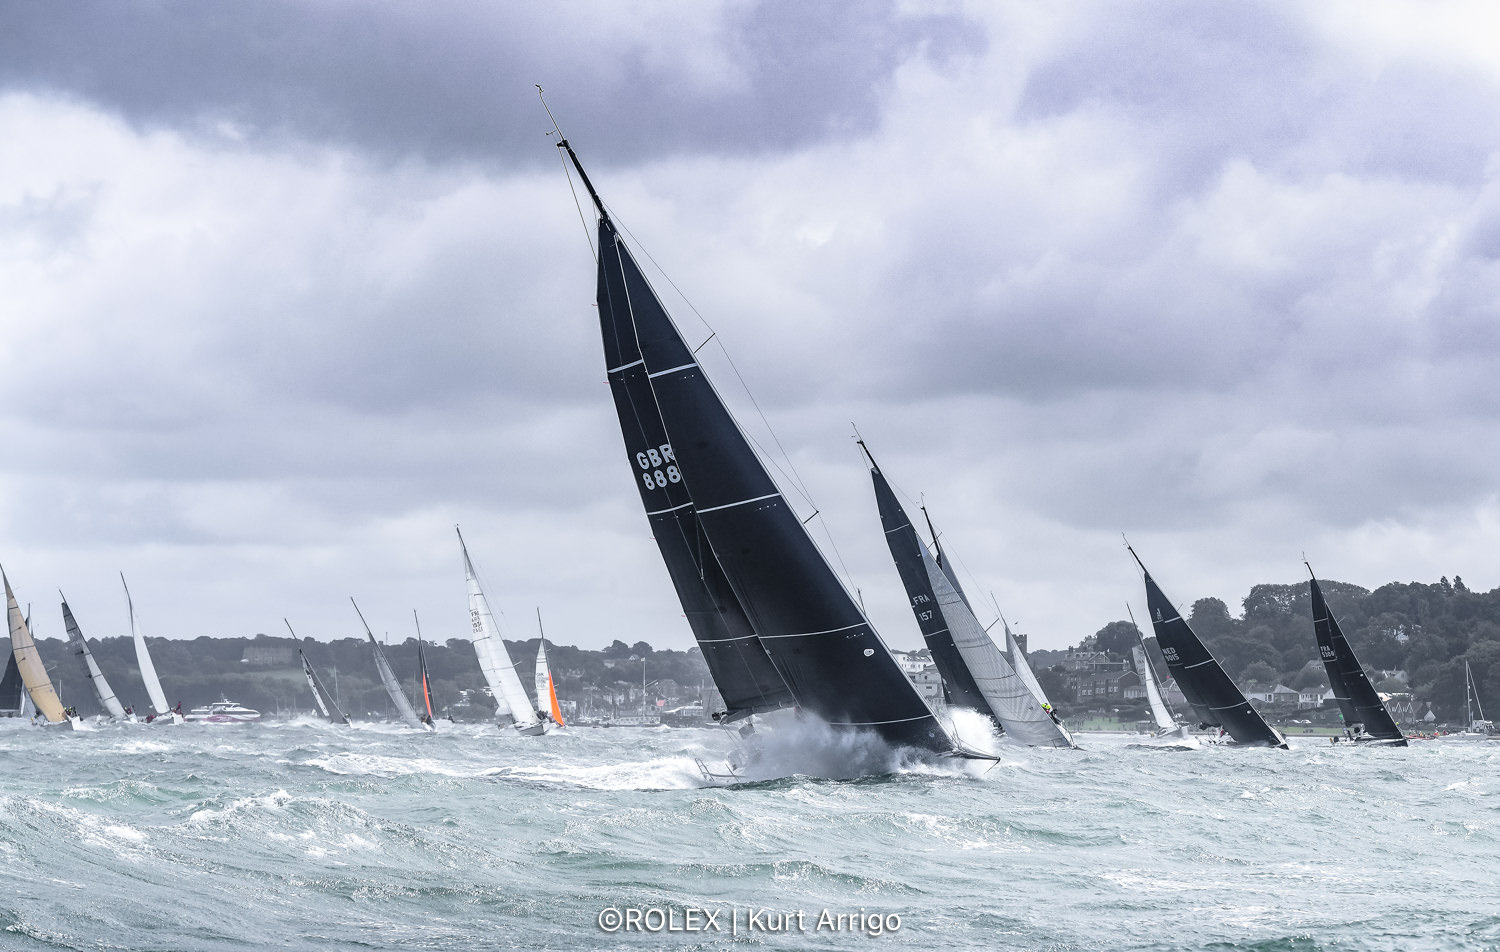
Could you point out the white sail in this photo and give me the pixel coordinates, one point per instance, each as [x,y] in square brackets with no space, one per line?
[1011,701]
[29,662]
[543,677]
[494,660]
[1017,659]
[105,693]
[143,658]
[1159,712]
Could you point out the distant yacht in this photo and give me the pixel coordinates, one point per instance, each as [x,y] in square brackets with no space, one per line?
[222,712]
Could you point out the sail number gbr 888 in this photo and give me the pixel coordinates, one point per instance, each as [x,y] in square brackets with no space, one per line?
[660,467]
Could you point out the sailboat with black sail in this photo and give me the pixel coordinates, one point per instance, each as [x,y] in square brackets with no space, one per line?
[1366,719]
[776,625]
[494,660]
[107,701]
[976,673]
[399,699]
[1215,700]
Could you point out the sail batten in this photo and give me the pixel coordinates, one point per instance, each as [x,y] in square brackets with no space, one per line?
[102,690]
[1357,699]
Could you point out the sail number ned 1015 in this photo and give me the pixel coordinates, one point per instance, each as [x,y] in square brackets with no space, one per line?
[660,467]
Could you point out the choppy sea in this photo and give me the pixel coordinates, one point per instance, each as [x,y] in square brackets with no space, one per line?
[306,836]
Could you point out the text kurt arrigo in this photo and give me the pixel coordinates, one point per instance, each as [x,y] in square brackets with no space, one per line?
[670,919]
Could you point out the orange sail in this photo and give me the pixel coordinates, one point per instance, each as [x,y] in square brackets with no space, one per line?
[552,693]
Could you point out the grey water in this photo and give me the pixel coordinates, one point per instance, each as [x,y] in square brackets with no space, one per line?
[307,836]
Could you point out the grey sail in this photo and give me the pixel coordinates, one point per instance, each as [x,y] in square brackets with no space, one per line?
[827,654]
[1358,701]
[102,690]
[388,678]
[1006,694]
[1215,700]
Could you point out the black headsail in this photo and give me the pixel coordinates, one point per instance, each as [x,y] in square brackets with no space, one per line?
[827,654]
[736,660]
[1358,700]
[1208,688]
[906,550]
[12,688]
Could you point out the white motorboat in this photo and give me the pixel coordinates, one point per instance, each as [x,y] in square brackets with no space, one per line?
[222,712]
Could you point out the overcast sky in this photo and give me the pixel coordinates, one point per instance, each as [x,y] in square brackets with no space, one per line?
[288,289]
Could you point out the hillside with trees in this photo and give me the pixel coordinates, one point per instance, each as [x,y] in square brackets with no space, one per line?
[1412,637]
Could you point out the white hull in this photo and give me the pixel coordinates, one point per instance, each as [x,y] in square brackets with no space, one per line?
[1178,738]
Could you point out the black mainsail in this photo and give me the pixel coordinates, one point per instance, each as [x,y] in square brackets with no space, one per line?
[736,659]
[906,549]
[1359,703]
[1208,688]
[829,659]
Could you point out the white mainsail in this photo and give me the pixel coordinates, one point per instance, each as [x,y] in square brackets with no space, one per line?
[143,658]
[29,662]
[105,693]
[1159,712]
[1019,711]
[494,660]
[1017,659]
[543,676]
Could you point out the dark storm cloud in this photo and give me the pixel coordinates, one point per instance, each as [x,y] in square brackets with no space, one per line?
[454,80]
